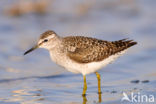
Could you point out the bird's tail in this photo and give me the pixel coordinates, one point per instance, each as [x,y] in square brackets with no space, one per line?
[123,44]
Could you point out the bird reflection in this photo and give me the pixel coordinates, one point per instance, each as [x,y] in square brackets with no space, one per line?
[100,100]
[85,99]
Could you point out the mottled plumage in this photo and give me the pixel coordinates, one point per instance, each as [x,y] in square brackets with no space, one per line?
[84,49]
[80,54]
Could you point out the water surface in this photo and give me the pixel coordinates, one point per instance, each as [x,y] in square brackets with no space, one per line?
[35,79]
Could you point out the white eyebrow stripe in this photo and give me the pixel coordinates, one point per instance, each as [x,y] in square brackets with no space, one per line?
[49,37]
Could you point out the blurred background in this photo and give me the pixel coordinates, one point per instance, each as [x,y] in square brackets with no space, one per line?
[35,79]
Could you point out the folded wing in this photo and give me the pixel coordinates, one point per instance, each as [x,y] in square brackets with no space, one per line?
[84,49]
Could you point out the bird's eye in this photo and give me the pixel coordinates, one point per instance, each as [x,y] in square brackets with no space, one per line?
[45,40]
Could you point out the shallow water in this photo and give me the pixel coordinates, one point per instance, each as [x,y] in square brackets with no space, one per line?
[35,79]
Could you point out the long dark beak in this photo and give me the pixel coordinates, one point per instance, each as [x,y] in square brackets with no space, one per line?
[30,50]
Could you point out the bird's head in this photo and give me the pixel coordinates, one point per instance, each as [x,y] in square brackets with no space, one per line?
[47,40]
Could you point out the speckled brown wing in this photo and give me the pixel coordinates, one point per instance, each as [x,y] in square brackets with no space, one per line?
[84,49]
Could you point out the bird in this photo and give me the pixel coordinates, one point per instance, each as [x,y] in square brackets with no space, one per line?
[80,54]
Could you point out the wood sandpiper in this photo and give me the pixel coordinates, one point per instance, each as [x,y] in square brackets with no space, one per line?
[79,54]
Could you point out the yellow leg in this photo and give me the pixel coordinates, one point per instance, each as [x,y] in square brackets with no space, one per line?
[84,87]
[99,82]
[99,86]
